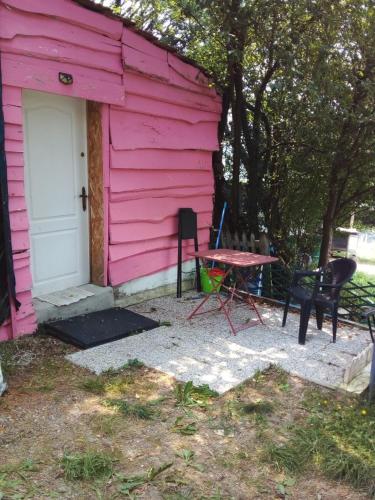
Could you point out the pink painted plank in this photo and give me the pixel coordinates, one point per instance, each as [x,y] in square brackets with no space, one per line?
[136,131]
[45,48]
[140,85]
[14,159]
[19,221]
[20,241]
[21,256]
[106,166]
[26,326]
[179,72]
[145,63]
[25,298]
[17,203]
[25,311]
[73,13]
[154,107]
[145,264]
[179,80]
[181,193]
[155,209]
[15,173]
[23,280]
[35,74]
[189,73]
[13,146]
[13,132]
[105,143]
[12,96]
[16,188]
[124,250]
[21,263]
[16,22]
[138,180]
[132,39]
[141,231]
[81,74]
[6,331]
[27,308]
[161,159]
[12,114]
[189,77]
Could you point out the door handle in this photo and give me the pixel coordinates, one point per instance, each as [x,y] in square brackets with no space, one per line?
[84,197]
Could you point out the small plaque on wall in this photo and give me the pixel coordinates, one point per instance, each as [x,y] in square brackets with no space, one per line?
[66,78]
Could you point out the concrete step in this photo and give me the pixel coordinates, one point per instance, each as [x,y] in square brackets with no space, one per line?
[102,299]
[360,382]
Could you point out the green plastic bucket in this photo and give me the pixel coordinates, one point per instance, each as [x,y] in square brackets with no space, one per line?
[208,276]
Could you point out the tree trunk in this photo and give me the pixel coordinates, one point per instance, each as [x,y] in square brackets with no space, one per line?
[326,243]
[236,145]
[217,161]
[329,219]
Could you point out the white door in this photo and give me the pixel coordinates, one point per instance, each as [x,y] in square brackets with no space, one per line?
[55,173]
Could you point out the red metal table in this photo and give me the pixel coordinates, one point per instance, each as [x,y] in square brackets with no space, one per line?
[233,260]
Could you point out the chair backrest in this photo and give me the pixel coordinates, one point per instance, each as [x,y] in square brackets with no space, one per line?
[339,272]
[187,224]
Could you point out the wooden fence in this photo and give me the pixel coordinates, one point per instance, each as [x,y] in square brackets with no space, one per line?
[246,243]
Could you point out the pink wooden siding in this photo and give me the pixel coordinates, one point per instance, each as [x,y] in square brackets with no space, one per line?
[24,319]
[159,120]
[161,158]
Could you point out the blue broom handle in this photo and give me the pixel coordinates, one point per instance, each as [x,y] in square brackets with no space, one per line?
[220,229]
[221,226]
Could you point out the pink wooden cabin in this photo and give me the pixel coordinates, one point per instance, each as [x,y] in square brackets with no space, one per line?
[90,102]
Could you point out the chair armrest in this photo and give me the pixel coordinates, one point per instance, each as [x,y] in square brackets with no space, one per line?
[319,287]
[302,274]
[308,273]
[328,285]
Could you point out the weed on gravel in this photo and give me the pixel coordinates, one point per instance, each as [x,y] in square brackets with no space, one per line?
[190,395]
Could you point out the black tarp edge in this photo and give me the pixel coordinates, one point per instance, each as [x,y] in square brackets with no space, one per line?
[7,278]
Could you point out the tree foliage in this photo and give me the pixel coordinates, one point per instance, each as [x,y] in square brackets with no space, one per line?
[298,122]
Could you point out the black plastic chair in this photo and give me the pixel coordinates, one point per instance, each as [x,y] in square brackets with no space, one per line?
[325,294]
[369,314]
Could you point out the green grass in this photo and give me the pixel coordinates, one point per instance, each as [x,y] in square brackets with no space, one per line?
[363,279]
[88,465]
[106,425]
[95,385]
[141,411]
[114,384]
[367,261]
[358,298]
[7,352]
[338,440]
[259,407]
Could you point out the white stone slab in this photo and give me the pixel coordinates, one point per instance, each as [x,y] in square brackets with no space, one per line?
[204,351]
[66,297]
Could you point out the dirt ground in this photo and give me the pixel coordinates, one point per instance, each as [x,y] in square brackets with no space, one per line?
[213,451]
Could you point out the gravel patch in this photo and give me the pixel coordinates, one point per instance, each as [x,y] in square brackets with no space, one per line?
[204,351]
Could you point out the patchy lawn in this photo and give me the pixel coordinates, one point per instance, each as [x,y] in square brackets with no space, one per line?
[65,433]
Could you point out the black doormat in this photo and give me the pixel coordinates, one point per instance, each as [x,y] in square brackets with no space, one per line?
[99,327]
